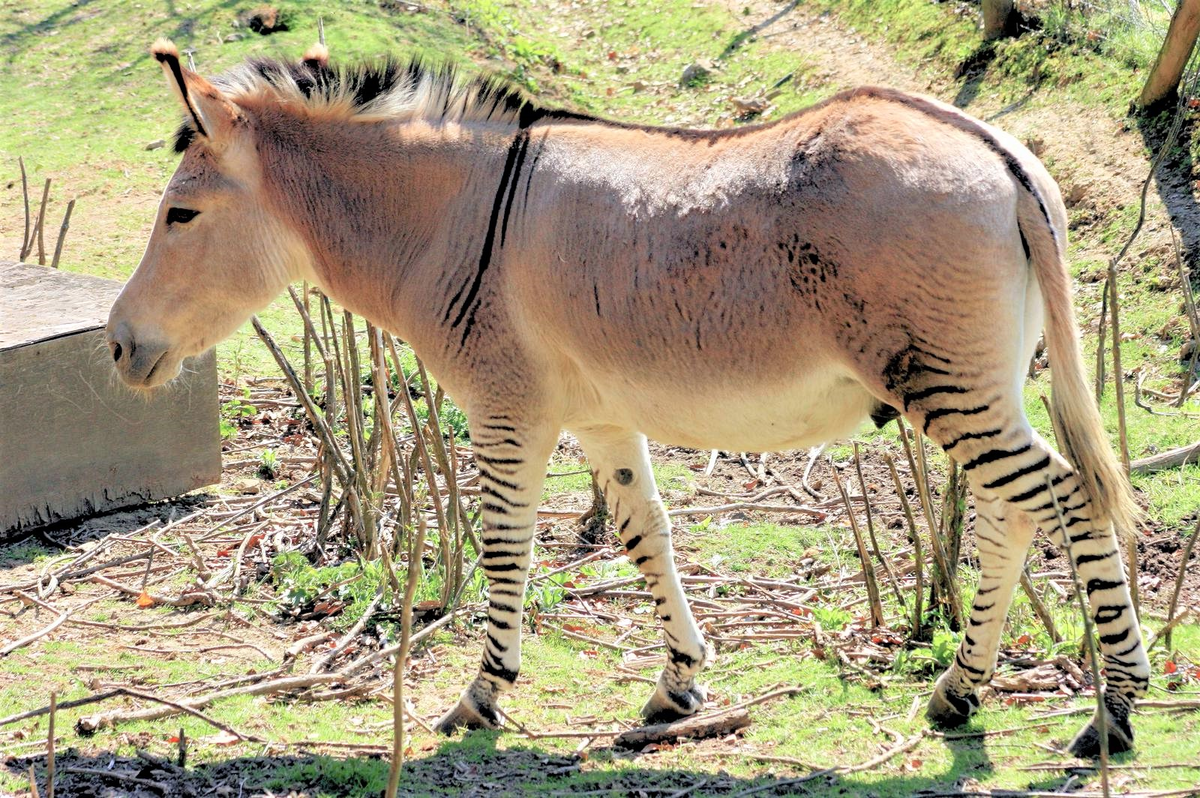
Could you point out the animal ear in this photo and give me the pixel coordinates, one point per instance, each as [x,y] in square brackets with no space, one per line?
[212,114]
[316,57]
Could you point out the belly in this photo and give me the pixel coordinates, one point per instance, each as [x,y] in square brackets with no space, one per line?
[725,412]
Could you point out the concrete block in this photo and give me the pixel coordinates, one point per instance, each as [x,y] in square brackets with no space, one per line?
[74,440]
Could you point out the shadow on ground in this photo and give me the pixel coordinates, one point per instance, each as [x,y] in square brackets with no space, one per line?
[1175,175]
[22,547]
[474,766]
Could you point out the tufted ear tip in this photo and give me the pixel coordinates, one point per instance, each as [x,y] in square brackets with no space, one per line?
[317,55]
[164,50]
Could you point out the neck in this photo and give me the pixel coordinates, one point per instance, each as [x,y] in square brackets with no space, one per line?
[385,209]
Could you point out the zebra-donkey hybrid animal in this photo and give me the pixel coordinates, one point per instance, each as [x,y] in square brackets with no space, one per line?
[763,288]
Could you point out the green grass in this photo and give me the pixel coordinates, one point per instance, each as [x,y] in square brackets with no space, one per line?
[758,549]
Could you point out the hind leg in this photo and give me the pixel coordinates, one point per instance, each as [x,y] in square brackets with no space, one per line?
[1003,456]
[1003,536]
[621,464]
[1126,667]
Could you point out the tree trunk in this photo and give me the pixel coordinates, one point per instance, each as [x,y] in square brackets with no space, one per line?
[998,18]
[1173,57]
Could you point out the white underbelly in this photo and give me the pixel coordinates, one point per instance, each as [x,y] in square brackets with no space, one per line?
[823,405]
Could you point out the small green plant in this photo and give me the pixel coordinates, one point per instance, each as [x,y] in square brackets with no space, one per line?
[945,643]
[299,584]
[547,594]
[268,464]
[233,412]
[831,617]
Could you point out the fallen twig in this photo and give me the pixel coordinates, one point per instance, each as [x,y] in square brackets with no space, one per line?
[899,748]
[695,727]
[1172,458]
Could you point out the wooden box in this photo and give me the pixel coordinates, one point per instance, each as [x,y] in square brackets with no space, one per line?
[74,440]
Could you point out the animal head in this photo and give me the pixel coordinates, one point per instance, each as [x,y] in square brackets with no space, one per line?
[218,252]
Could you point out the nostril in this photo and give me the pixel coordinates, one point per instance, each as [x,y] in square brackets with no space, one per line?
[116,352]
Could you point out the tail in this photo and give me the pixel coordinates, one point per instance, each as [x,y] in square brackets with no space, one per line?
[1074,411]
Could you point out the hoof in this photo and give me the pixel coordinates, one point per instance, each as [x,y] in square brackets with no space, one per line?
[1086,744]
[465,715]
[948,711]
[665,707]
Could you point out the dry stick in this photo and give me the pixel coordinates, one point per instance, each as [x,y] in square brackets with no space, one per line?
[50,746]
[863,556]
[1172,458]
[24,641]
[352,391]
[761,508]
[448,525]
[1165,631]
[337,377]
[340,465]
[1187,554]
[391,450]
[26,244]
[33,788]
[346,639]
[901,747]
[1088,636]
[62,235]
[212,533]
[410,590]
[124,691]
[308,334]
[939,555]
[1101,337]
[1185,282]
[695,727]
[110,774]
[1039,606]
[446,462]
[887,566]
[1119,379]
[41,222]
[918,555]
[1186,390]
[326,468]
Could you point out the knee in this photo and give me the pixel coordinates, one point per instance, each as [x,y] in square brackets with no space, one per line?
[649,538]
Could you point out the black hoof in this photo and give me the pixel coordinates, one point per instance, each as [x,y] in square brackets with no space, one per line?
[949,711]
[1086,744]
[664,707]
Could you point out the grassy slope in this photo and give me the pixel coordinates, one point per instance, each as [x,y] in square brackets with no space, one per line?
[90,101]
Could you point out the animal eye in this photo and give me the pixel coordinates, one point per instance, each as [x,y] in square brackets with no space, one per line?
[181,215]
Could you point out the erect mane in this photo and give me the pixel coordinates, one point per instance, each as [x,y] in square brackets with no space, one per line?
[381,89]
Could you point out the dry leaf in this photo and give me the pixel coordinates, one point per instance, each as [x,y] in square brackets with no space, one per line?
[144,600]
[221,738]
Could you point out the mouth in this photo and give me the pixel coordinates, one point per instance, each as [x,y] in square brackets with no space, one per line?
[148,380]
[164,369]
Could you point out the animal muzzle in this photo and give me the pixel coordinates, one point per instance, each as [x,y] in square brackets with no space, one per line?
[137,359]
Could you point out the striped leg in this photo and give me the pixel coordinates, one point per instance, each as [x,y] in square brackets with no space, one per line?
[1126,666]
[621,462]
[1003,537]
[512,467]
[1013,462]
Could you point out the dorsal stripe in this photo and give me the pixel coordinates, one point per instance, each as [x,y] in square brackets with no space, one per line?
[961,121]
